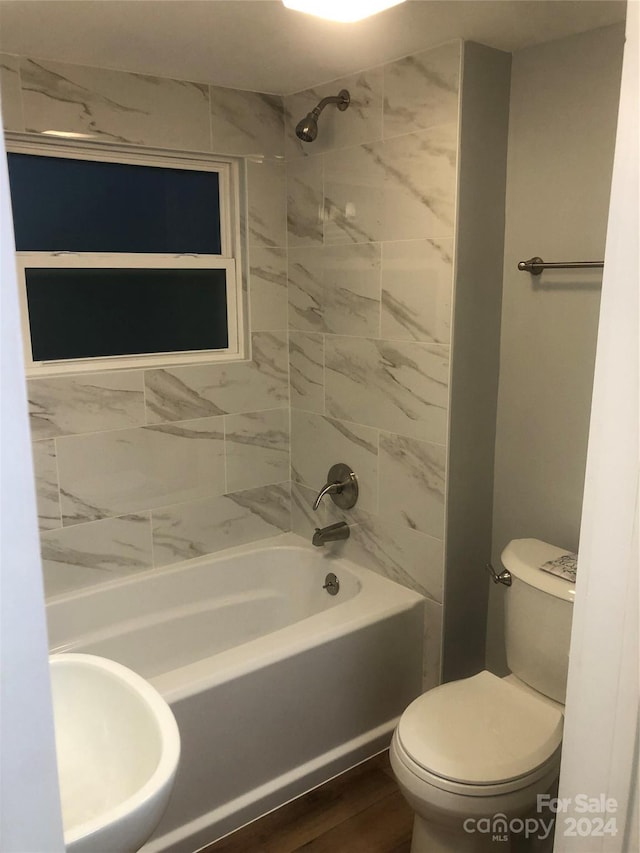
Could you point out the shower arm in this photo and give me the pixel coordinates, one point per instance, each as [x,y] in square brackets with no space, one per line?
[341,100]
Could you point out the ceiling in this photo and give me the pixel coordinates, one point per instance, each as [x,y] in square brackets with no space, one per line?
[260,45]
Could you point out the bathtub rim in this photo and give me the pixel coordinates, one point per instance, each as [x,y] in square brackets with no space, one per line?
[281,540]
[378,597]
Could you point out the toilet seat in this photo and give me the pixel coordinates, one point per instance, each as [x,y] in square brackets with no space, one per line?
[479,736]
[467,789]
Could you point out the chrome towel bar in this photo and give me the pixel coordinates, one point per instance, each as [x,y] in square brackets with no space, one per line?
[536,265]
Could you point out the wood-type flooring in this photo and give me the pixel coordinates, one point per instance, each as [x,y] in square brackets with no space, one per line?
[361,811]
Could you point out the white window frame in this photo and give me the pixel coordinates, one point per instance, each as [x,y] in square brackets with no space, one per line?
[229,259]
[94,260]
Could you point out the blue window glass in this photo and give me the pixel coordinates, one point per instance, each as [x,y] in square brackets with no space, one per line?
[61,204]
[88,313]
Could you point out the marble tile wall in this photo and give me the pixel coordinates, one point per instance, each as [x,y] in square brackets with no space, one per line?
[371,215]
[351,250]
[137,469]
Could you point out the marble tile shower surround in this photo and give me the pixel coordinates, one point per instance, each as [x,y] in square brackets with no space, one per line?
[118,106]
[130,457]
[306,371]
[401,188]
[351,256]
[392,550]
[10,93]
[137,469]
[371,218]
[398,386]
[416,290]
[335,289]
[410,94]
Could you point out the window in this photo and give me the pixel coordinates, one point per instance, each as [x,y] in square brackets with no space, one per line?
[125,258]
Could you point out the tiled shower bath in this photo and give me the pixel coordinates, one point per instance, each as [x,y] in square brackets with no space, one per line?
[137,469]
[351,244]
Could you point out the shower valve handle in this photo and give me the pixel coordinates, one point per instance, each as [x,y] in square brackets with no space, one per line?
[342,485]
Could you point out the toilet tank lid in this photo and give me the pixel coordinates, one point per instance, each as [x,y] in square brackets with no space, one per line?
[480,730]
[524,557]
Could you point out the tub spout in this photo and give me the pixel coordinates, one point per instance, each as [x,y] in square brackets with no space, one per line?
[332,533]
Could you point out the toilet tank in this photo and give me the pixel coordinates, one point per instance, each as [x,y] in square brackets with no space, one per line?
[538,612]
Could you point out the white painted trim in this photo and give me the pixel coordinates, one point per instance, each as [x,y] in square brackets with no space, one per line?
[153,157]
[48,260]
[230,210]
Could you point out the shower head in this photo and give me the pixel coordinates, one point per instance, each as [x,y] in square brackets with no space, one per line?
[307,128]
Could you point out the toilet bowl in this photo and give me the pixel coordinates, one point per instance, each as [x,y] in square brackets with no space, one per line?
[471,752]
[472,756]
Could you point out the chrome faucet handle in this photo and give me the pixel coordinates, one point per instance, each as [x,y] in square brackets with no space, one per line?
[341,485]
[329,489]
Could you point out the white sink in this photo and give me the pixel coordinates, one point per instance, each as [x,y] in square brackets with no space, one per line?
[118,748]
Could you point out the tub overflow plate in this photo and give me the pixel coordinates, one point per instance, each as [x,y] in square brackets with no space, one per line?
[331,584]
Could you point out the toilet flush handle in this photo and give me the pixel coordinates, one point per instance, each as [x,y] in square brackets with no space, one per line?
[504,576]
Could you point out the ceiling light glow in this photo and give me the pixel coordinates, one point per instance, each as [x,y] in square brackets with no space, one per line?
[69,134]
[344,11]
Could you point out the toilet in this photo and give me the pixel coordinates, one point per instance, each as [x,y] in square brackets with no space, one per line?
[471,756]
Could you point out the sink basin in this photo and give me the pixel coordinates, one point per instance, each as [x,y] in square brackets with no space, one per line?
[118,748]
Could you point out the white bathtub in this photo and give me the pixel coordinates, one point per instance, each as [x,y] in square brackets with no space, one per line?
[276,685]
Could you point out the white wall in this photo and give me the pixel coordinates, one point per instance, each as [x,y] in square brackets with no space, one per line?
[564,102]
[29,802]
